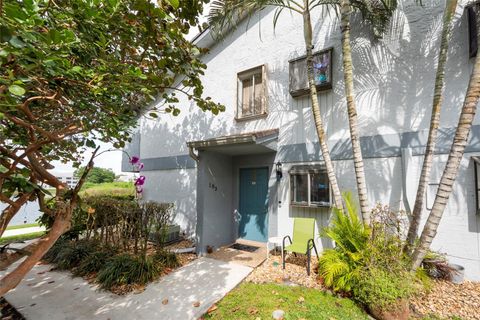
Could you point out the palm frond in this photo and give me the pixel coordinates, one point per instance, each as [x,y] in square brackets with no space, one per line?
[376,12]
[225,15]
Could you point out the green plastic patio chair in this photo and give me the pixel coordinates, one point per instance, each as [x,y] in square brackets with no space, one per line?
[303,235]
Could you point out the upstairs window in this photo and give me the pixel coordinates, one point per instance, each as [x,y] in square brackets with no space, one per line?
[309,186]
[251,93]
[322,70]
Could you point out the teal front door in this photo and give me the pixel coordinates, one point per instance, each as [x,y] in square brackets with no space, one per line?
[253,223]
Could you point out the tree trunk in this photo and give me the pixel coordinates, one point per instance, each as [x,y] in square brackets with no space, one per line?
[307,25]
[451,168]
[346,11]
[60,226]
[450,7]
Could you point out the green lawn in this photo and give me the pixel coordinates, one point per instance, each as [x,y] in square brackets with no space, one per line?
[258,301]
[22,237]
[109,188]
[22,226]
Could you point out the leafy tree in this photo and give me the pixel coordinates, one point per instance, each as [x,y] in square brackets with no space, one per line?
[96,175]
[72,72]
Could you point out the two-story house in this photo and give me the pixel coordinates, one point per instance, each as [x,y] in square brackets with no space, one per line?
[247,172]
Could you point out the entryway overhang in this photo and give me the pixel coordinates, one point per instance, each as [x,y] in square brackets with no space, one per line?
[239,144]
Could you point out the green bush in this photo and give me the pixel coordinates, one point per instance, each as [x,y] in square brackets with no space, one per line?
[340,267]
[381,289]
[95,261]
[73,253]
[167,259]
[368,262]
[126,269]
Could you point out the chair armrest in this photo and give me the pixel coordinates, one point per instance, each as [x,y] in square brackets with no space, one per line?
[283,241]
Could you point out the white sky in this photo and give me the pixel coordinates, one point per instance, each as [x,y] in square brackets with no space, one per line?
[109,160]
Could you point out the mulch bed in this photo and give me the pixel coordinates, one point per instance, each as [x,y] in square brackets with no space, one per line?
[7,312]
[445,300]
[448,300]
[295,272]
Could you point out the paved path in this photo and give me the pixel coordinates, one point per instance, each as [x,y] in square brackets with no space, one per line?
[53,295]
[15,232]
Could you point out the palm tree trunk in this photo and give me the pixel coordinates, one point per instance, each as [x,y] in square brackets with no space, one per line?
[346,11]
[451,168]
[307,25]
[450,7]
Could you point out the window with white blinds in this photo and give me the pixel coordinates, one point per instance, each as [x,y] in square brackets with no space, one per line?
[251,95]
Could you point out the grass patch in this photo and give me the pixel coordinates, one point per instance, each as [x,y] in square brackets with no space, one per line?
[109,188]
[22,226]
[22,237]
[250,301]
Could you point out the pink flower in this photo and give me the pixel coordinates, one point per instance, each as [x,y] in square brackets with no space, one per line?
[139,189]
[134,159]
[140,181]
[140,166]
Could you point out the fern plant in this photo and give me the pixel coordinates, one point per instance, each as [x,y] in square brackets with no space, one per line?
[340,267]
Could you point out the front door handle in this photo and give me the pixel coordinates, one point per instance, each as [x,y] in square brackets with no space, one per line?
[236,215]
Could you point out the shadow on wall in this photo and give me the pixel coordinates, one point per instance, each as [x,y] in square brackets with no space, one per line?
[178,187]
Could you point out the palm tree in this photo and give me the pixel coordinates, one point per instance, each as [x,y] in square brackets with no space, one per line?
[227,12]
[451,168]
[450,7]
[378,17]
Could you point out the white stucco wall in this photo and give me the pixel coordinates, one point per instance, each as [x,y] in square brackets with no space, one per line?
[394,79]
[177,187]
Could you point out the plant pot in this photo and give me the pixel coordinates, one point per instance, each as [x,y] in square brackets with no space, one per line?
[458,274]
[398,311]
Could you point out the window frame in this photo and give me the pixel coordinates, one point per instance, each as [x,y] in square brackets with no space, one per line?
[476,170]
[242,76]
[308,171]
[473,15]
[320,87]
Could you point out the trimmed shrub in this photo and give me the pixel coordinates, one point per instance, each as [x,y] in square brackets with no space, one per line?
[167,259]
[125,269]
[382,290]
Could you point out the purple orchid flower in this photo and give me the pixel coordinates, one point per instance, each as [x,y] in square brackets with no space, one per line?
[134,159]
[140,166]
[140,181]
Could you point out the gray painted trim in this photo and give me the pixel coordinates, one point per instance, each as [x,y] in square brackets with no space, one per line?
[377,146]
[380,146]
[168,163]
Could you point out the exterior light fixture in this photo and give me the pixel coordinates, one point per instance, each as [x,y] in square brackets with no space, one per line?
[279,170]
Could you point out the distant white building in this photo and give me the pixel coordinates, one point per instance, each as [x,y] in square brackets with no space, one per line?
[66,177]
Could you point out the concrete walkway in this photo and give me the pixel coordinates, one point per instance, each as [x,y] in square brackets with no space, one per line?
[16,232]
[52,295]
